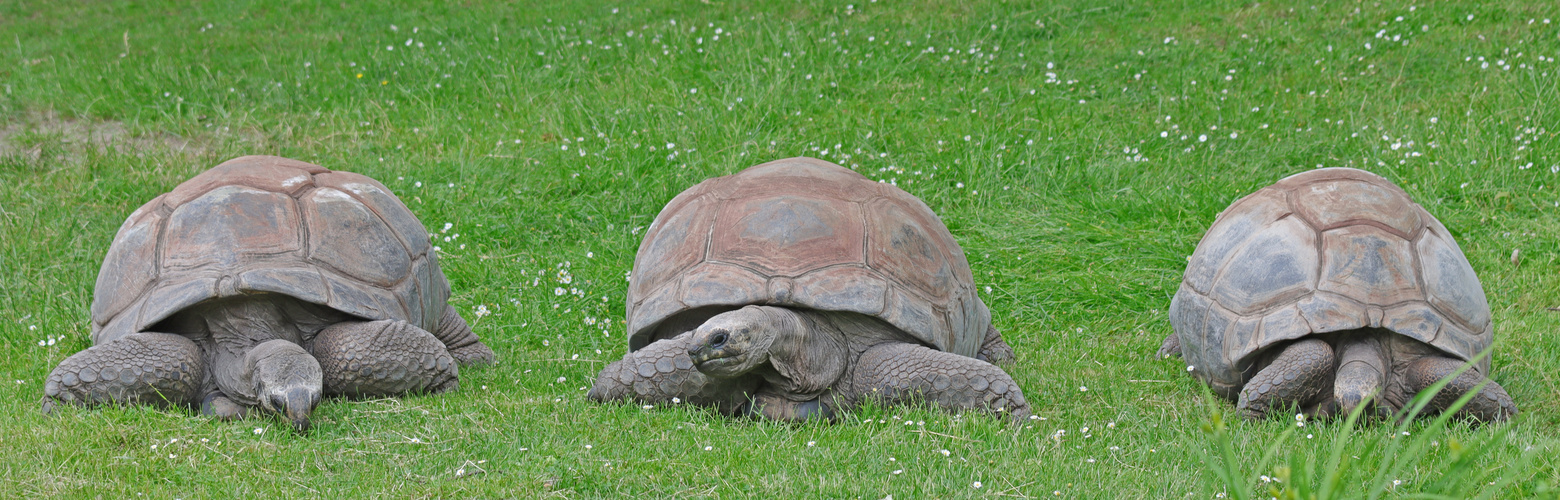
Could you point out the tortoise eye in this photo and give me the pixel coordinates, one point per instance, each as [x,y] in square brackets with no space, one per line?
[718,340]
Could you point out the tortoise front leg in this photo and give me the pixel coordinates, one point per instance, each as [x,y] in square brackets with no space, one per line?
[1296,378]
[1491,405]
[383,358]
[663,371]
[159,369]
[902,373]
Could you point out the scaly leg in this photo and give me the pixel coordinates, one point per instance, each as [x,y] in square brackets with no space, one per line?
[462,343]
[383,358]
[1491,405]
[661,371]
[902,373]
[140,368]
[1294,379]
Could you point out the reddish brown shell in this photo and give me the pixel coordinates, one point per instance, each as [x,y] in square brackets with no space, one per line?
[1327,250]
[803,232]
[269,224]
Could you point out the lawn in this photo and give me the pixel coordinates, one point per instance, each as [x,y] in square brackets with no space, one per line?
[1076,149]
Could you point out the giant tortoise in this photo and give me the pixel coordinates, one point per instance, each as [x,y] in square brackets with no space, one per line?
[268,282]
[1328,290]
[796,288]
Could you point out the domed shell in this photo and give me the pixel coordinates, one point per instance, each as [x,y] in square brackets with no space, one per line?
[1323,251]
[269,224]
[803,232]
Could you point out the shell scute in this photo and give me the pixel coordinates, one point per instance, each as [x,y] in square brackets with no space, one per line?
[379,199]
[352,239]
[672,245]
[1275,266]
[786,234]
[1366,261]
[1453,286]
[128,268]
[1335,202]
[228,223]
[1230,232]
[710,284]
[265,173]
[904,248]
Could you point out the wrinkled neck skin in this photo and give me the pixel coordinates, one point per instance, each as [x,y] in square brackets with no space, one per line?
[799,353]
[257,336]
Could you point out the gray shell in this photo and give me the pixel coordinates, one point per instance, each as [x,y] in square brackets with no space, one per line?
[269,224]
[1324,251]
[802,232]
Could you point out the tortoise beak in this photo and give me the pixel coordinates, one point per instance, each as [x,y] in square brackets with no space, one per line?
[296,405]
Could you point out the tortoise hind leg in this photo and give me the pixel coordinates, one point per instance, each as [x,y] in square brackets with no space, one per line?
[160,369]
[994,350]
[1296,378]
[1491,405]
[902,373]
[383,358]
[1170,348]
[462,343]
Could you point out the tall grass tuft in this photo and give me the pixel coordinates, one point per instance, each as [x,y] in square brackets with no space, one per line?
[1406,448]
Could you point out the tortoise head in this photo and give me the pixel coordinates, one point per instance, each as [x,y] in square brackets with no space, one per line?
[287,380]
[805,354]
[733,343]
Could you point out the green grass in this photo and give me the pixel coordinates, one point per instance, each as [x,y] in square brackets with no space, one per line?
[547,137]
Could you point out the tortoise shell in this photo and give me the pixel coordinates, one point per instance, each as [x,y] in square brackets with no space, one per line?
[265,224]
[806,233]
[1329,250]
